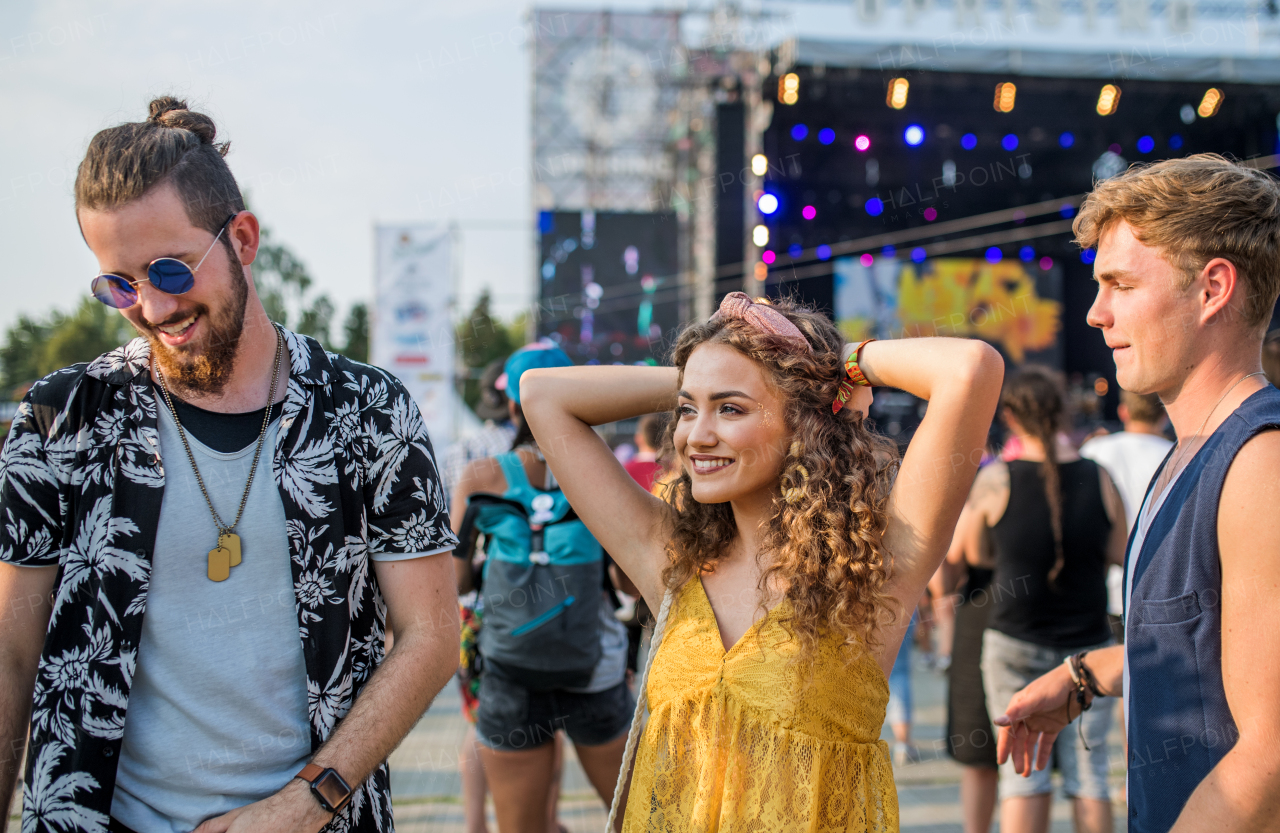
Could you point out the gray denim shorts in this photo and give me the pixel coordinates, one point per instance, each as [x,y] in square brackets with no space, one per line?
[1008,665]
[511,717]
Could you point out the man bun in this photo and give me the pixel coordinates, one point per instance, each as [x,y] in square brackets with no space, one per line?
[174,146]
[171,112]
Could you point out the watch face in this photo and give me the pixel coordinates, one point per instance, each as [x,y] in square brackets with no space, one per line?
[332,789]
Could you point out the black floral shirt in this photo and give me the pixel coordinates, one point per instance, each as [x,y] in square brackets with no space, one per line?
[81,481]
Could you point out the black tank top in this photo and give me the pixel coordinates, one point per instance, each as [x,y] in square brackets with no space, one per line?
[1074,614]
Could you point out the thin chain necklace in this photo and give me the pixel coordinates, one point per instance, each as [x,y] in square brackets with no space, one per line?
[1182,452]
[227,553]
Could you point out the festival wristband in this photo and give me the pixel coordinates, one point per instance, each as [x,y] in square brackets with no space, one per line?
[853,376]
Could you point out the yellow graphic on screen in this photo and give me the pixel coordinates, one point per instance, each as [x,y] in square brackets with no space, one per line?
[947,297]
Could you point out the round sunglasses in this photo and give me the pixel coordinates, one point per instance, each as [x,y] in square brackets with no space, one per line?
[167,274]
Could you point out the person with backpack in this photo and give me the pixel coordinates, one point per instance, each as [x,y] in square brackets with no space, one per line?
[552,656]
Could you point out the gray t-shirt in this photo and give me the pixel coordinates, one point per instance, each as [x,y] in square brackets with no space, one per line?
[217,712]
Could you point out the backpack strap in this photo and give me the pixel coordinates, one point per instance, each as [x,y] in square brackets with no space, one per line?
[642,705]
[467,533]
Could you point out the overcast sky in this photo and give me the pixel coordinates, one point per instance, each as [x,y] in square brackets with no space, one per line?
[340,115]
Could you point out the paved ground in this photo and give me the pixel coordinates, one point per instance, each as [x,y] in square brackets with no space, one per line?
[426,786]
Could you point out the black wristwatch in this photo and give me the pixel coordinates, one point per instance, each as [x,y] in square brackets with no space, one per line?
[327,786]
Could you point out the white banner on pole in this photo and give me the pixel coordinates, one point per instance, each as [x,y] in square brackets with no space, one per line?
[412,335]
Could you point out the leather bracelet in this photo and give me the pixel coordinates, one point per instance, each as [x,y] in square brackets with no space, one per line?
[1087,675]
[1078,676]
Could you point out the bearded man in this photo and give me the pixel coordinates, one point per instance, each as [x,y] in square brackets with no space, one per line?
[196,646]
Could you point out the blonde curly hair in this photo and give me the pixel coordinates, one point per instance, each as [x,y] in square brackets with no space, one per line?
[825,536]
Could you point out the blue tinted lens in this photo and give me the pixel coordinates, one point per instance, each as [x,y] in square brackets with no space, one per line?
[171,276]
[113,291]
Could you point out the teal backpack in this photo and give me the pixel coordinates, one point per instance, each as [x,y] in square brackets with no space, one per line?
[542,584]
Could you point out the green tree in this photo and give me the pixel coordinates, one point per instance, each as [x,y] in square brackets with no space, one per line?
[87,333]
[20,355]
[34,348]
[480,339]
[284,286]
[356,333]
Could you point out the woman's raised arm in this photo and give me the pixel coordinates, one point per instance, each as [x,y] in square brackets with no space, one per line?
[561,404]
[961,380]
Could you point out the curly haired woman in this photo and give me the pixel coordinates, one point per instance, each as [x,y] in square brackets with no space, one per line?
[792,553]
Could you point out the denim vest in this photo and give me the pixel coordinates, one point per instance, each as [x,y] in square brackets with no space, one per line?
[1180,725]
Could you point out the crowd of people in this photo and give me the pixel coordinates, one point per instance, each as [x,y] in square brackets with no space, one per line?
[718,619]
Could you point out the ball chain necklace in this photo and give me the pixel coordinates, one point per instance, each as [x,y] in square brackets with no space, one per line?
[227,553]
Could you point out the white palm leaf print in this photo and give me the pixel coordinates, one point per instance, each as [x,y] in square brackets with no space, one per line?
[132,358]
[407,431]
[302,470]
[91,554]
[49,803]
[22,465]
[38,545]
[329,705]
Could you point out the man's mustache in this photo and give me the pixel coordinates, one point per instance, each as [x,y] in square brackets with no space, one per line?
[199,309]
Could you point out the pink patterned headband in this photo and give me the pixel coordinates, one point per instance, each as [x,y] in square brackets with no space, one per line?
[736,305]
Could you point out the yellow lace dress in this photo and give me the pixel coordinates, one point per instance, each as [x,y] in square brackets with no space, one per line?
[744,741]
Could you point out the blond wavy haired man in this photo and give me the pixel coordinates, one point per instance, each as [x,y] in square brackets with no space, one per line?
[1188,270]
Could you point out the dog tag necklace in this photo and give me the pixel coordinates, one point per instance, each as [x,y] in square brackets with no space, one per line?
[227,553]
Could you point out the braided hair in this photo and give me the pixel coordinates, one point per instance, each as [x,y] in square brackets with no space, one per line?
[1033,396]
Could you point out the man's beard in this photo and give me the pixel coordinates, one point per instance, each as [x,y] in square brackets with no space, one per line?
[203,368]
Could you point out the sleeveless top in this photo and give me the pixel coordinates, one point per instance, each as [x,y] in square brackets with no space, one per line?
[1180,724]
[746,740]
[1074,614]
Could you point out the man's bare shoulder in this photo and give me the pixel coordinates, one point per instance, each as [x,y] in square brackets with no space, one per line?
[1248,524]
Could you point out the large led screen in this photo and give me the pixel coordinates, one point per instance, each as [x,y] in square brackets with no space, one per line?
[609,290]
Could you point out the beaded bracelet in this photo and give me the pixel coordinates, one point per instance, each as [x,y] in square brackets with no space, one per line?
[853,376]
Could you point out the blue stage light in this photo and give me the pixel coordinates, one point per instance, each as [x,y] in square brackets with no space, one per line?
[994,255]
[824,252]
[1088,255]
[1009,142]
[968,141]
[1175,141]
[913,135]
[799,132]
[889,251]
[1027,254]
[1146,144]
[1066,140]
[917,254]
[1067,211]
[767,203]
[795,250]
[826,135]
[875,206]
